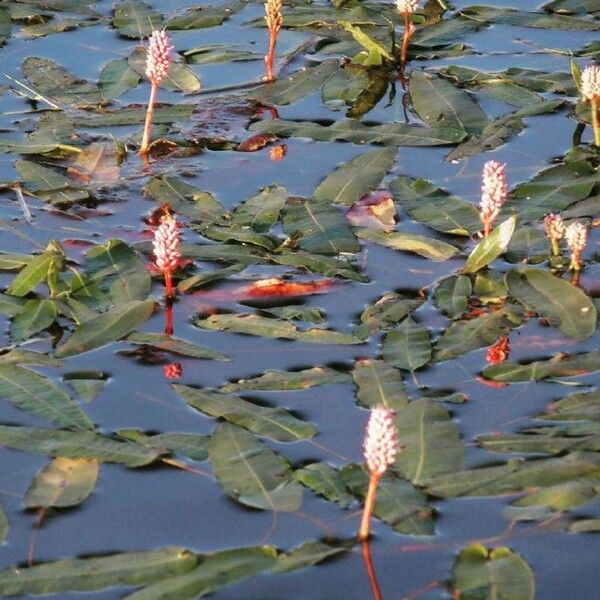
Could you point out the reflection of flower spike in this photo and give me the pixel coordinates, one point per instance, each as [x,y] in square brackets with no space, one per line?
[590,90]
[576,235]
[173,370]
[493,194]
[554,227]
[274,20]
[381,447]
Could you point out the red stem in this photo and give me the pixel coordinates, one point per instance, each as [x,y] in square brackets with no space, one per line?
[405,41]
[366,552]
[365,524]
[269,58]
[169,316]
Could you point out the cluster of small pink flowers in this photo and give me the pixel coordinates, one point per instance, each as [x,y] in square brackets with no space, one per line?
[590,82]
[381,442]
[166,244]
[158,56]
[493,192]
[576,235]
[554,226]
[407,6]
[273,15]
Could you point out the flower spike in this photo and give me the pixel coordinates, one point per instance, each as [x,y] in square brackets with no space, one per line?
[166,249]
[590,90]
[493,194]
[554,227]
[576,235]
[274,20]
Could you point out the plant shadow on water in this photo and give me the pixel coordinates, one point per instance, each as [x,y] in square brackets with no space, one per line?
[194,345]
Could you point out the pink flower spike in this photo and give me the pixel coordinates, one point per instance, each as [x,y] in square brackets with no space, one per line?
[554,227]
[407,6]
[166,244]
[381,443]
[493,193]
[576,235]
[590,82]
[158,56]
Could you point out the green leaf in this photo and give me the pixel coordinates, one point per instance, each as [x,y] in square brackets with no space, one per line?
[288,380]
[262,211]
[185,199]
[134,116]
[350,130]
[435,99]
[452,295]
[35,316]
[218,53]
[200,17]
[107,327]
[250,472]
[202,279]
[273,328]
[564,305]
[319,227]
[575,407]
[491,247]
[429,440]
[465,336]
[87,384]
[55,83]
[214,572]
[366,41]
[39,396]
[408,346]
[325,481]
[96,573]
[35,272]
[64,482]
[379,384]
[4,526]
[410,242]
[275,423]
[499,573]
[398,503]
[350,182]
[190,445]
[176,346]
[309,554]
[5,25]
[75,444]
[135,19]
[434,207]
[388,310]
[116,78]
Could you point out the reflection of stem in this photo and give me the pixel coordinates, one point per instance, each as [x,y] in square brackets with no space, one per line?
[271,55]
[366,552]
[365,524]
[169,315]
[38,523]
[596,120]
[148,124]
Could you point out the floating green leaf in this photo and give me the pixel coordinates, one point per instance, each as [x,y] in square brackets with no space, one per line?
[174,345]
[135,19]
[408,346]
[324,480]
[35,316]
[379,384]
[491,247]
[452,295]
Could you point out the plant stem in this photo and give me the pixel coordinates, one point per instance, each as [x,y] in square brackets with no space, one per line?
[169,316]
[555,247]
[487,228]
[596,120]
[375,589]
[405,40]
[365,524]
[169,284]
[148,124]
[269,58]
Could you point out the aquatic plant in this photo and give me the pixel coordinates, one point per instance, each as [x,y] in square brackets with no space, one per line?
[381,446]
[493,194]
[158,60]
[590,90]
[274,20]
[554,227]
[406,8]
[166,250]
[576,235]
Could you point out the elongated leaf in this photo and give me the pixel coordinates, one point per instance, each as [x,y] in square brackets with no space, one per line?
[379,384]
[262,211]
[34,273]
[464,336]
[87,384]
[106,328]
[491,247]
[289,380]
[35,316]
[75,444]
[86,574]
[190,445]
[410,242]
[252,473]
[319,227]
[174,345]
[430,441]
[435,99]
[408,346]
[201,17]
[275,423]
[452,295]
[39,396]
[214,572]
[374,48]
[498,573]
[4,526]
[324,480]
[398,503]
[308,554]
[347,184]
[64,482]
[388,310]
[135,19]
[116,78]
[564,305]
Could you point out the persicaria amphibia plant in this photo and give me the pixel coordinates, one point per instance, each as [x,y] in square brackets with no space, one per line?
[590,90]
[493,194]
[576,235]
[381,447]
[158,60]
[166,250]
[554,227]
[274,20]
[406,8]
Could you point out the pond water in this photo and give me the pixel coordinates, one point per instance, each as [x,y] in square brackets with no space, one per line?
[541,498]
